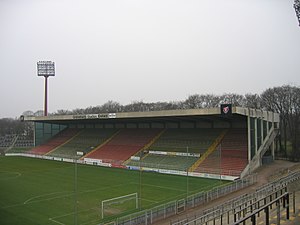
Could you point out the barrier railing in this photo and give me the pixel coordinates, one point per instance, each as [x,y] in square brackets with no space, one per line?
[164,211]
[233,208]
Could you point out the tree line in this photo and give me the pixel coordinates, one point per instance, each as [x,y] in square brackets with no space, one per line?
[10,126]
[284,100]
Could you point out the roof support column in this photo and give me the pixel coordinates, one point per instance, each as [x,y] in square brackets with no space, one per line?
[249,136]
[274,142]
[268,127]
[255,134]
[273,150]
[262,129]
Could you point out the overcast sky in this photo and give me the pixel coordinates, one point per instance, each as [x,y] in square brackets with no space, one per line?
[138,50]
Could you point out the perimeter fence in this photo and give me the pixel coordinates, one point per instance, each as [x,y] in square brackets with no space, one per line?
[237,208]
[172,208]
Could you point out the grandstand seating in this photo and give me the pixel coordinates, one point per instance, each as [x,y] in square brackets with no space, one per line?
[233,152]
[177,140]
[85,141]
[117,146]
[7,140]
[124,144]
[54,142]
[14,140]
[23,141]
[170,162]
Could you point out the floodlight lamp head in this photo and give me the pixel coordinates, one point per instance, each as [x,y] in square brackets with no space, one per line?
[45,68]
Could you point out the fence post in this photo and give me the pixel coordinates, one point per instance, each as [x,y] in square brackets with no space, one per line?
[253,219]
[278,212]
[287,206]
[294,202]
[267,215]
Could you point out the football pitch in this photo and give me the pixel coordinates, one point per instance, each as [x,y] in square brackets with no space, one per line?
[36,191]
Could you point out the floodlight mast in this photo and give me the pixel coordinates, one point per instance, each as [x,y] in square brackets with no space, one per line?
[46,69]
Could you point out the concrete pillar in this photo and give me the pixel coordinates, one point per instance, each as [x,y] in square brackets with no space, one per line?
[255,134]
[273,150]
[249,136]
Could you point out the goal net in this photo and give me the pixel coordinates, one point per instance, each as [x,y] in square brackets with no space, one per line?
[118,205]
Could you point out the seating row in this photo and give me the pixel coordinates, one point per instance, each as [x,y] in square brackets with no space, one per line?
[120,145]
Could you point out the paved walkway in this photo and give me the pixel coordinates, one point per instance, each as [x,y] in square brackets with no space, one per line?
[264,174]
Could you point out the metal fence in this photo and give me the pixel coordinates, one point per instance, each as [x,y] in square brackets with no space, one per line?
[157,213]
[217,214]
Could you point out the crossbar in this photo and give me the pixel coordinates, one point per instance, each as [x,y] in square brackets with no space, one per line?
[135,195]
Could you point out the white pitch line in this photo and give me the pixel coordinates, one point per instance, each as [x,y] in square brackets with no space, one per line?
[67,214]
[29,201]
[148,200]
[92,222]
[161,187]
[101,189]
[66,195]
[39,196]
[56,221]
[72,213]
[17,174]
[53,219]
[10,206]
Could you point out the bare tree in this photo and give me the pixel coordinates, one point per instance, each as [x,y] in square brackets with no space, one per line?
[193,102]
[294,121]
[28,113]
[252,101]
[62,112]
[285,101]
[136,106]
[15,126]
[78,111]
[232,98]
[39,113]
[210,101]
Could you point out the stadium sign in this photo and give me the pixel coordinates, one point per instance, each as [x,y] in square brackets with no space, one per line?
[107,115]
[80,153]
[175,153]
[76,117]
[92,116]
[95,116]
[135,158]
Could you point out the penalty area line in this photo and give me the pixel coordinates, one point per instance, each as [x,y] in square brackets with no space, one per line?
[160,187]
[55,221]
[148,200]
[14,175]
[44,195]
[72,213]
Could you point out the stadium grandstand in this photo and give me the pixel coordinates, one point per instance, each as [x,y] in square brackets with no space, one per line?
[15,140]
[226,142]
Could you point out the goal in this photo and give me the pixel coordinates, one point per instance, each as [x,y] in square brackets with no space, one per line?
[118,205]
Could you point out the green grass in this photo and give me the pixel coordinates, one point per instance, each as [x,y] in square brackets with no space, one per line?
[35,191]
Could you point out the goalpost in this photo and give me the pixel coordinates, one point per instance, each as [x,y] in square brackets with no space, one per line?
[114,206]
